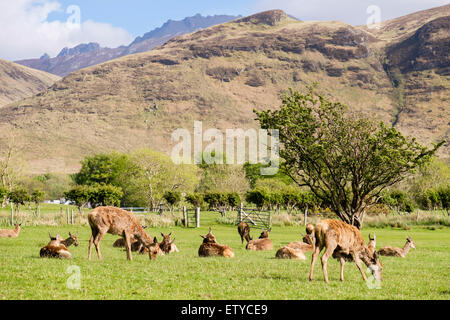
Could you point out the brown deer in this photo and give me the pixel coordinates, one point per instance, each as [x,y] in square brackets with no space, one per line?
[167,244]
[345,243]
[71,240]
[297,249]
[372,243]
[210,247]
[398,252]
[263,243]
[120,243]
[56,249]
[10,233]
[117,221]
[244,231]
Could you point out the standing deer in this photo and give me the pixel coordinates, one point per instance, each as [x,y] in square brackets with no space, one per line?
[210,247]
[263,243]
[244,231]
[167,244]
[345,243]
[398,252]
[10,233]
[117,221]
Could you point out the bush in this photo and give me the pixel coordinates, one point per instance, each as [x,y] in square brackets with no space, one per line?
[196,199]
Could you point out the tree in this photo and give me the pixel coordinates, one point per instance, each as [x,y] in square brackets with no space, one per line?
[172,198]
[37,196]
[80,195]
[196,199]
[105,195]
[346,160]
[234,200]
[19,196]
[258,197]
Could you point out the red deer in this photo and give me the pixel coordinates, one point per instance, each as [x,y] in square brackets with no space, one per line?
[210,247]
[296,249]
[397,252]
[57,249]
[72,239]
[244,231]
[263,243]
[345,243]
[10,233]
[120,243]
[117,221]
[167,244]
[372,243]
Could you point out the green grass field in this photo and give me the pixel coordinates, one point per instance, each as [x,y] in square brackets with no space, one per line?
[423,274]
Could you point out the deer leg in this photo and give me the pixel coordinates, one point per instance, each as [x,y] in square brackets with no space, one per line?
[358,264]
[127,238]
[317,250]
[97,240]
[91,241]
[342,268]
[326,255]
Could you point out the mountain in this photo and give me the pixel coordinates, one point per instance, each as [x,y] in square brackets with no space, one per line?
[18,82]
[85,55]
[220,74]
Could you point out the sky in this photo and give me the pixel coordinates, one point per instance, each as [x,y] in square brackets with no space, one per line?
[30,28]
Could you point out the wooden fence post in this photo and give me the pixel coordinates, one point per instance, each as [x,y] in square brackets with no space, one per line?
[241,208]
[185,218]
[12,213]
[306,215]
[68,217]
[72,217]
[197,217]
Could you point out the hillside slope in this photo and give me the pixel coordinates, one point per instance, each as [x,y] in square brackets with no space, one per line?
[18,82]
[219,75]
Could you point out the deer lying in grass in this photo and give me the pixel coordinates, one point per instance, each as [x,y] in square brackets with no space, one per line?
[10,233]
[345,243]
[116,221]
[167,244]
[120,243]
[398,252]
[57,247]
[244,231]
[263,243]
[297,249]
[210,247]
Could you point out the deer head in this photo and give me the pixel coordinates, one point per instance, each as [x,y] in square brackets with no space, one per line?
[265,233]
[410,242]
[74,238]
[373,262]
[154,249]
[209,237]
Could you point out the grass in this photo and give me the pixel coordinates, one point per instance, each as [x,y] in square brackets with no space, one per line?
[423,274]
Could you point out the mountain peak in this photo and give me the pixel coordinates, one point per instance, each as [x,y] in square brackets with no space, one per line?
[269,17]
[81,48]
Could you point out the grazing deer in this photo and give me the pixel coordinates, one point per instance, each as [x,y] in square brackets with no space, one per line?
[398,252]
[263,243]
[167,244]
[372,243]
[244,231]
[120,243]
[210,247]
[56,249]
[117,221]
[10,233]
[345,243]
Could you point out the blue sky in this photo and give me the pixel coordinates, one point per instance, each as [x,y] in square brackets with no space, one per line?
[141,16]
[30,28]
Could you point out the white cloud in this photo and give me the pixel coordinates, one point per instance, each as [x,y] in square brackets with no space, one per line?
[350,11]
[26,33]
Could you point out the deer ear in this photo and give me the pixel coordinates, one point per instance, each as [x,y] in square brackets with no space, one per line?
[162,234]
[155,240]
[70,234]
[202,236]
[170,233]
[210,230]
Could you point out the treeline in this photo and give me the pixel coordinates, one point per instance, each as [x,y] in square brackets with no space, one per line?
[150,179]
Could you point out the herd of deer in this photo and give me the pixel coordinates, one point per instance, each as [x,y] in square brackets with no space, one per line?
[341,241]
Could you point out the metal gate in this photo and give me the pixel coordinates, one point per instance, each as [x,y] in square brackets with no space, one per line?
[256,218]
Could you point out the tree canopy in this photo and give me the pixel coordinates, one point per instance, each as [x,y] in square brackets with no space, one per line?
[346,160]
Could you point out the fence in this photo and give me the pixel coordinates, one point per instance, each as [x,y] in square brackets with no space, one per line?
[257,218]
[191,217]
